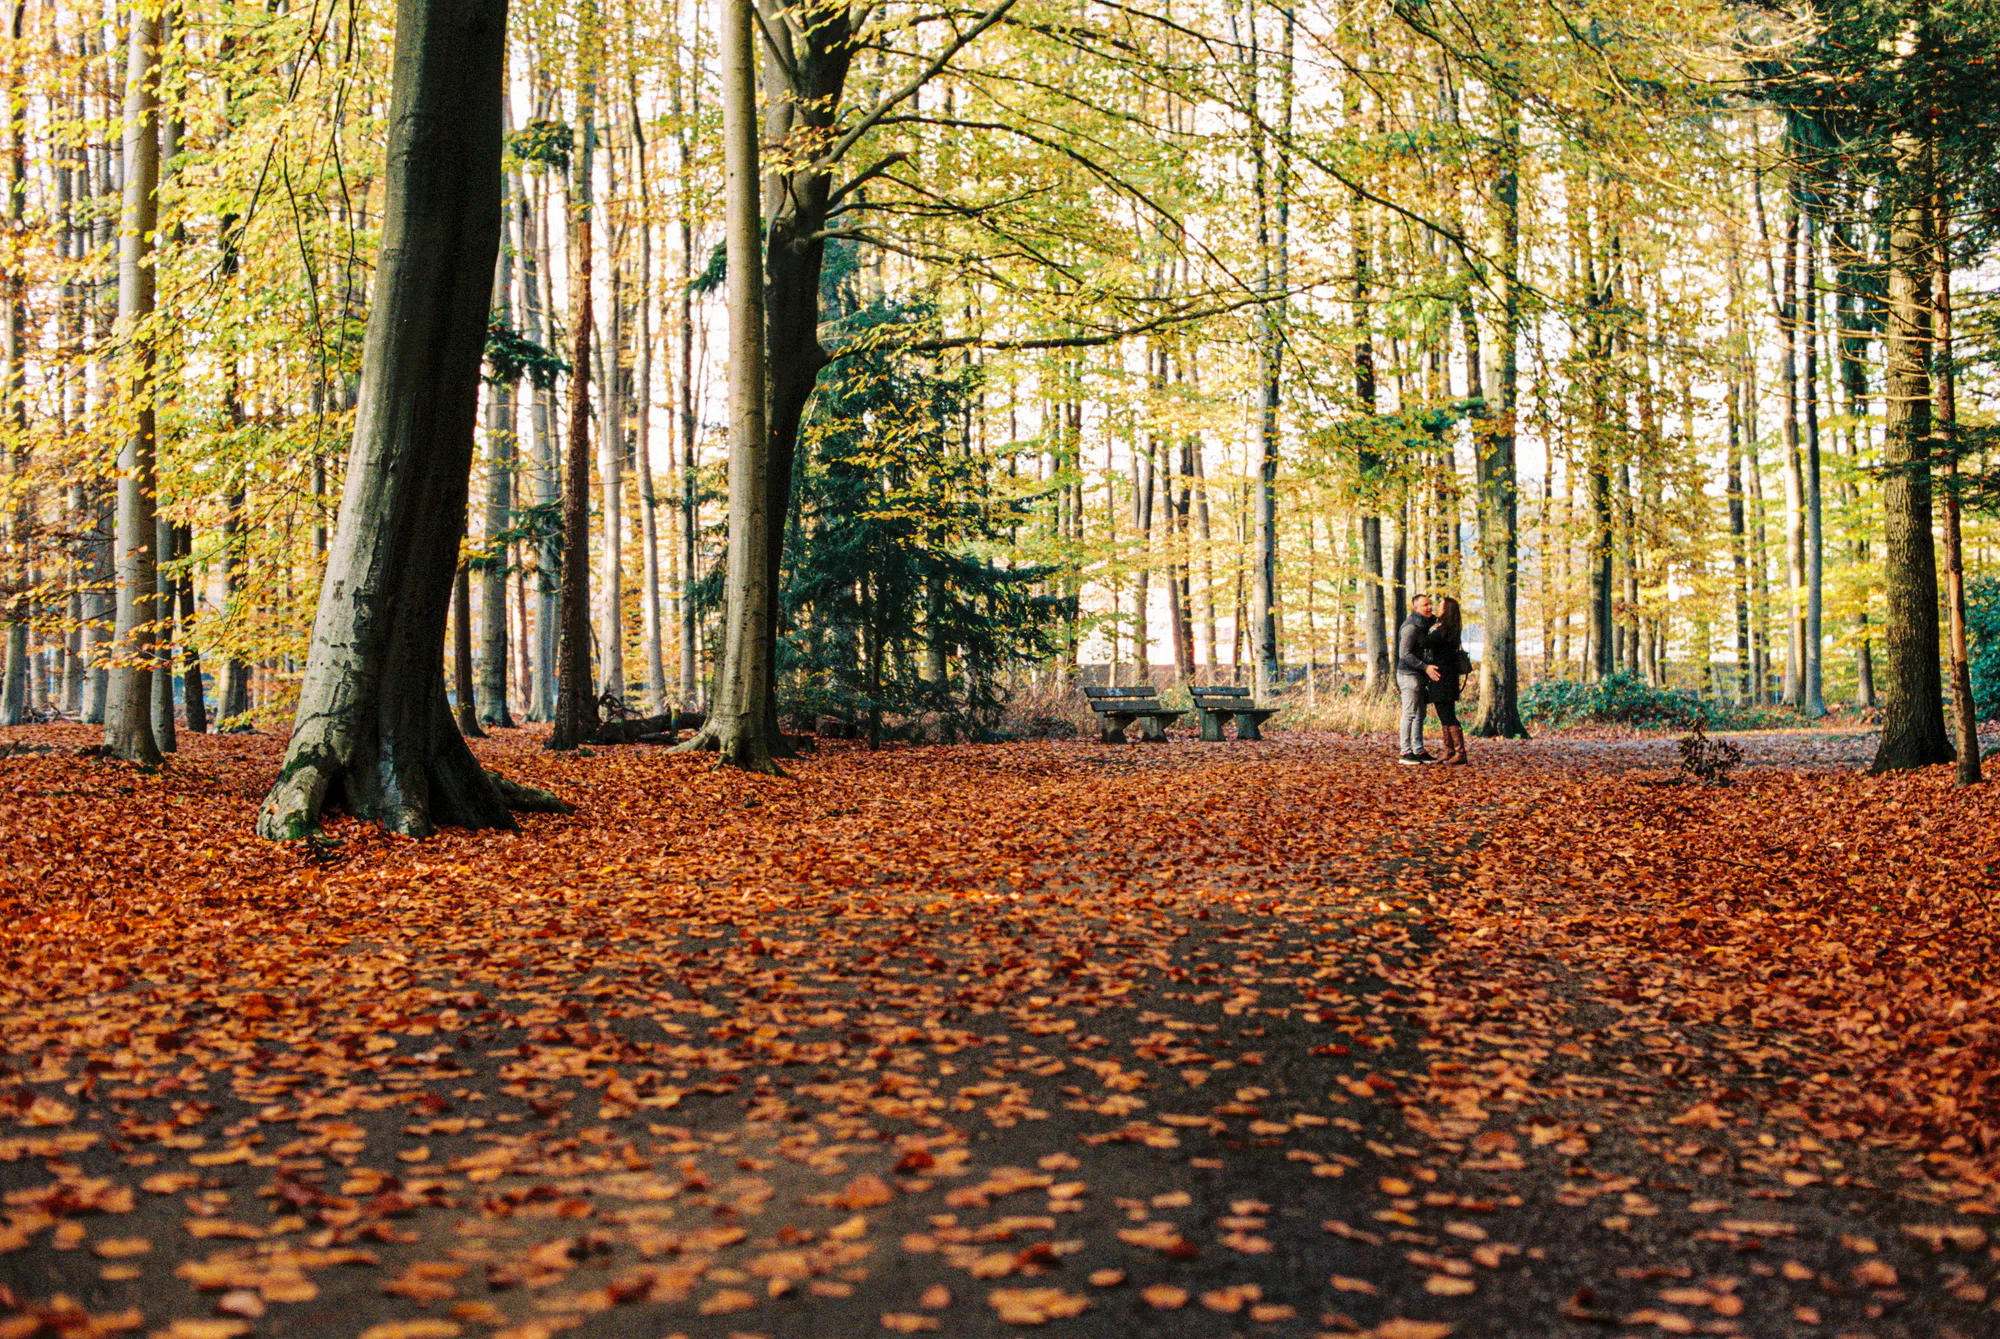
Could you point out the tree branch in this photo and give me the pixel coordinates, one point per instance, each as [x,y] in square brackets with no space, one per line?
[909,90]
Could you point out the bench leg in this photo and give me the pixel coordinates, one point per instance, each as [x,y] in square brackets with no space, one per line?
[1211,727]
[1246,726]
[1151,731]
[1110,730]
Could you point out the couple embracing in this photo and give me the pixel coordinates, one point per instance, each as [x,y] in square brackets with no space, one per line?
[1430,666]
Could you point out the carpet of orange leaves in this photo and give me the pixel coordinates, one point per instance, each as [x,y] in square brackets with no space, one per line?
[986,1037]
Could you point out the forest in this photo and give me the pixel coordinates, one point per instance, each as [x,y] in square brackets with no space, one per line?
[638,639]
[1176,345]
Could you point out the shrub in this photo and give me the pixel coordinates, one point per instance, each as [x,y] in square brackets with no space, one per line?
[1982,621]
[1622,699]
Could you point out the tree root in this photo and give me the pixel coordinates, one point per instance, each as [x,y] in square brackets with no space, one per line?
[526,799]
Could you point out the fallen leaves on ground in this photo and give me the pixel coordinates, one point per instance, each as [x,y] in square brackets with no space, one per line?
[1274,1035]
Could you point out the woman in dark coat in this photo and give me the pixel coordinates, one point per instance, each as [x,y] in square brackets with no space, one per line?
[1442,649]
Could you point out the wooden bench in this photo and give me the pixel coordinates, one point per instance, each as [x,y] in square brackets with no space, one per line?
[1117,708]
[1217,704]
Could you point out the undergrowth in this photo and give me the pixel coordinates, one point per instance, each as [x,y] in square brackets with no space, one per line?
[1626,699]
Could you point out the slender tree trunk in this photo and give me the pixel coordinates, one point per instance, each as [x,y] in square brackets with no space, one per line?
[373,731]
[1740,585]
[163,669]
[1494,440]
[1273,243]
[1795,521]
[235,670]
[16,562]
[613,403]
[1204,601]
[128,724]
[1374,614]
[1600,346]
[689,517]
[740,722]
[1913,731]
[499,517]
[1814,700]
[576,706]
[1853,349]
[193,695]
[1964,714]
[467,704]
[642,395]
[539,322]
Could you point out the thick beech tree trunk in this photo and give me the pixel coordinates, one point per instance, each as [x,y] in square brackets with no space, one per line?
[1913,733]
[374,733]
[128,722]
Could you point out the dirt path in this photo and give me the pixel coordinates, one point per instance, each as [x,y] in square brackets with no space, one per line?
[1202,1040]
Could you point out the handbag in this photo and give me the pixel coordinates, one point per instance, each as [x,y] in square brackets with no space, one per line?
[1461,663]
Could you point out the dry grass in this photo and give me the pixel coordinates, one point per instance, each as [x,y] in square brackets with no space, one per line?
[1339,712]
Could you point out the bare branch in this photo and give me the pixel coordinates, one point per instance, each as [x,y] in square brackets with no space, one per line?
[909,89]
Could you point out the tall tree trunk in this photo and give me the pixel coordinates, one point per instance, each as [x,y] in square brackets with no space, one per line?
[1204,595]
[1913,733]
[193,695]
[642,408]
[235,701]
[1599,345]
[1853,350]
[466,707]
[576,705]
[1814,696]
[1143,470]
[684,133]
[373,732]
[613,403]
[499,517]
[1784,306]
[128,724]
[740,725]
[16,562]
[1740,584]
[1374,612]
[1273,215]
[539,323]
[1964,714]
[163,670]
[1494,439]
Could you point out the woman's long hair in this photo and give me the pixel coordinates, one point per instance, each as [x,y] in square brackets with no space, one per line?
[1449,623]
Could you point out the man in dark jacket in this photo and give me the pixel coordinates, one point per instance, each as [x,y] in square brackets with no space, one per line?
[1411,673]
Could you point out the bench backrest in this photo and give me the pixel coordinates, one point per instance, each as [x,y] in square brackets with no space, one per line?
[1221,691]
[1090,690]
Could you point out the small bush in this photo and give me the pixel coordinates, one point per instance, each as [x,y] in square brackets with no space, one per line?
[1982,621]
[1622,699]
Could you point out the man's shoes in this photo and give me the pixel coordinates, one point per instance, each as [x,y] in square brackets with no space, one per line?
[1423,755]
[1413,759]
